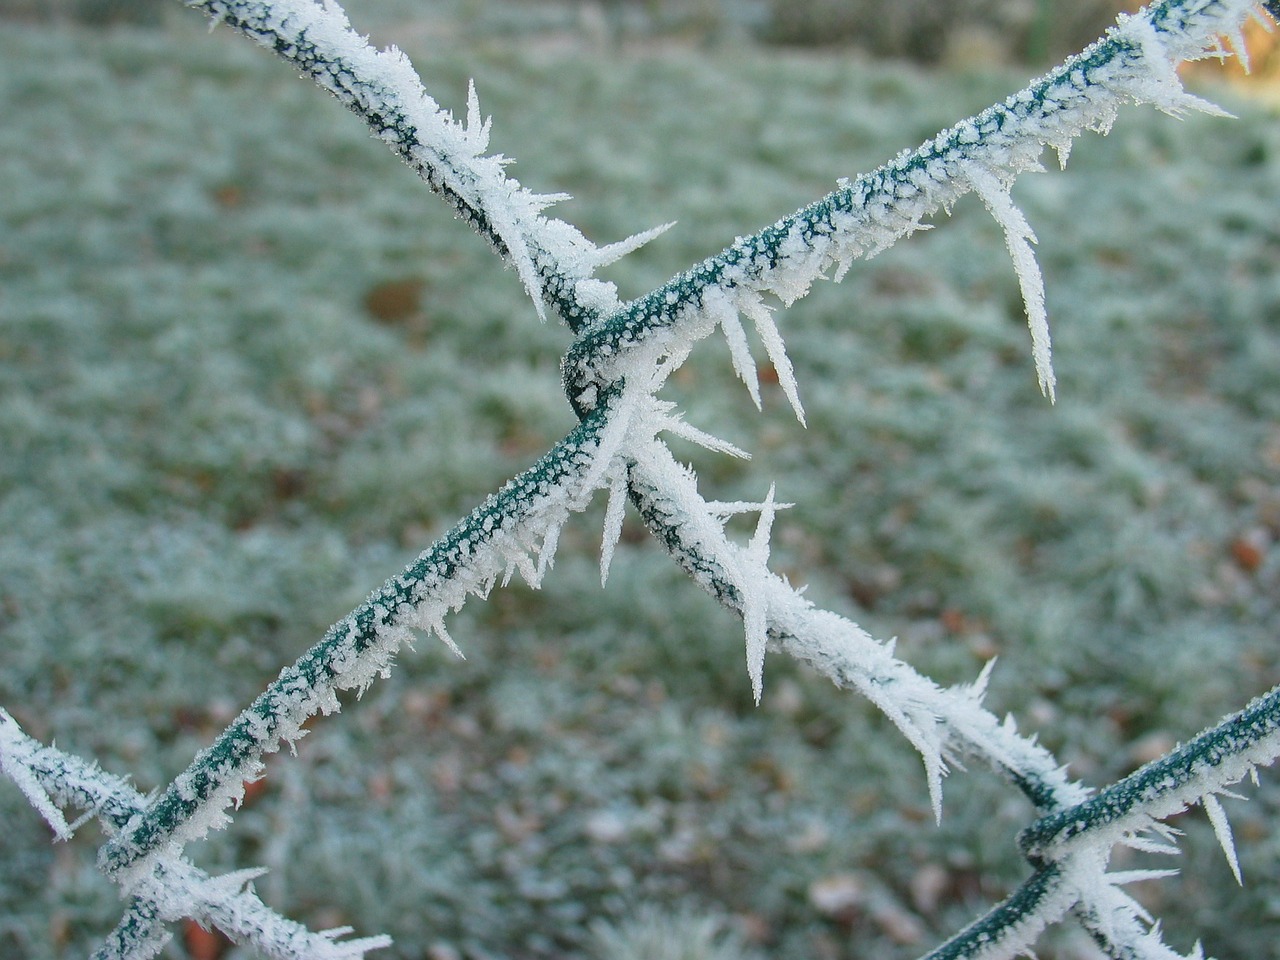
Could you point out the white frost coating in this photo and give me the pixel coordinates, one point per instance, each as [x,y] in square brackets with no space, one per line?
[1144,844]
[1017,938]
[1173,797]
[15,757]
[376,661]
[721,311]
[627,409]
[1222,830]
[935,720]
[1110,913]
[978,689]
[381,85]
[1018,237]
[1159,85]
[211,815]
[430,619]
[476,563]
[760,315]
[547,549]
[177,888]
[477,129]
[725,509]
[754,610]
[614,513]
[229,903]
[1000,143]
[666,420]
[544,514]
[612,252]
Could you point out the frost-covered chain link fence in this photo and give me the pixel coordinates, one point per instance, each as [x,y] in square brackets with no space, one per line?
[621,356]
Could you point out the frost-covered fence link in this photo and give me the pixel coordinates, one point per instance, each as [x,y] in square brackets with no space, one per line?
[621,356]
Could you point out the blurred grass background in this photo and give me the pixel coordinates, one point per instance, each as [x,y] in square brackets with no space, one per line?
[249,367]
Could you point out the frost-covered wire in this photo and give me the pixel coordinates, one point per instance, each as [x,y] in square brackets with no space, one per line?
[941,723]
[173,889]
[1193,773]
[554,261]
[488,545]
[1134,63]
